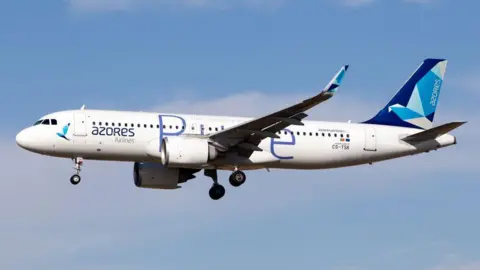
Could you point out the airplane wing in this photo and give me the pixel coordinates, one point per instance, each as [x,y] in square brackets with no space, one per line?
[247,136]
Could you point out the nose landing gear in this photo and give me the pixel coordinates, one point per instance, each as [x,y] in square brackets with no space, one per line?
[75,179]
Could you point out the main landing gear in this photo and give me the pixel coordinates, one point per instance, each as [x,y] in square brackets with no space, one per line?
[217,191]
[75,179]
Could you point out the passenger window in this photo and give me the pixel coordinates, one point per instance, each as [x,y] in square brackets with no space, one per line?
[310,134]
[138,125]
[126,125]
[93,123]
[335,135]
[348,135]
[106,124]
[158,126]
[341,135]
[151,126]
[46,122]
[329,134]
[132,125]
[145,125]
[316,134]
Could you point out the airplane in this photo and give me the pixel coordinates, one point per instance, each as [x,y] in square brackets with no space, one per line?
[167,150]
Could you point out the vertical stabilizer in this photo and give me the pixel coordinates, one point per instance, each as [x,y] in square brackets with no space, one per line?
[415,103]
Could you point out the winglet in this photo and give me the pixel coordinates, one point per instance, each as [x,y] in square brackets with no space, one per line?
[336,81]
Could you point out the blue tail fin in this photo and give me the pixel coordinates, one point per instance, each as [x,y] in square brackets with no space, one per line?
[415,103]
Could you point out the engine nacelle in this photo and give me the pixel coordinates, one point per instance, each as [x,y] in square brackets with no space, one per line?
[189,152]
[156,176]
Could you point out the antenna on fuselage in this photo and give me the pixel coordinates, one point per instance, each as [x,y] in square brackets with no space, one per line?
[83,107]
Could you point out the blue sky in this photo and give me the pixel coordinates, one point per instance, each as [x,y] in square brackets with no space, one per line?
[237,57]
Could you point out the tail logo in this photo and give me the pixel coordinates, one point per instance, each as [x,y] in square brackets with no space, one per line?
[436,89]
[415,103]
[64,132]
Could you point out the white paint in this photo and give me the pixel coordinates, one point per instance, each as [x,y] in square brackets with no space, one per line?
[309,151]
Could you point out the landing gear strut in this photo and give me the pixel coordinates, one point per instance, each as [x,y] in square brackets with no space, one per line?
[75,179]
[217,191]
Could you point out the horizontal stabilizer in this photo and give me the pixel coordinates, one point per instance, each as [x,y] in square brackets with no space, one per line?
[433,133]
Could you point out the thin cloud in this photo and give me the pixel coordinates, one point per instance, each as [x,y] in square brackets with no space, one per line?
[459,266]
[420,1]
[129,5]
[357,3]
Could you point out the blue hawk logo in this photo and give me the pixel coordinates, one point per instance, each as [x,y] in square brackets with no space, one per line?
[64,132]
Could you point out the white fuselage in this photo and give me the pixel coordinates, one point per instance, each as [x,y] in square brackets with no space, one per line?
[133,136]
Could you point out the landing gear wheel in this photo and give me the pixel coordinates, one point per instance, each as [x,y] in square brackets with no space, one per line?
[237,178]
[75,179]
[216,192]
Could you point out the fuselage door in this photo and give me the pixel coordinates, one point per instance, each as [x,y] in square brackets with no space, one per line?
[80,125]
[370,139]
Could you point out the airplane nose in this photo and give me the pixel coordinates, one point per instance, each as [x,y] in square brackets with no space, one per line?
[22,139]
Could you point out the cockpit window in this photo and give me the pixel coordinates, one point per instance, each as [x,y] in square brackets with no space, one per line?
[46,122]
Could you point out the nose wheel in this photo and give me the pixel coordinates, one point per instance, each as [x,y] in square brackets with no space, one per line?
[75,179]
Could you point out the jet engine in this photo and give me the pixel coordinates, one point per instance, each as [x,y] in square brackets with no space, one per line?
[156,176]
[186,152]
